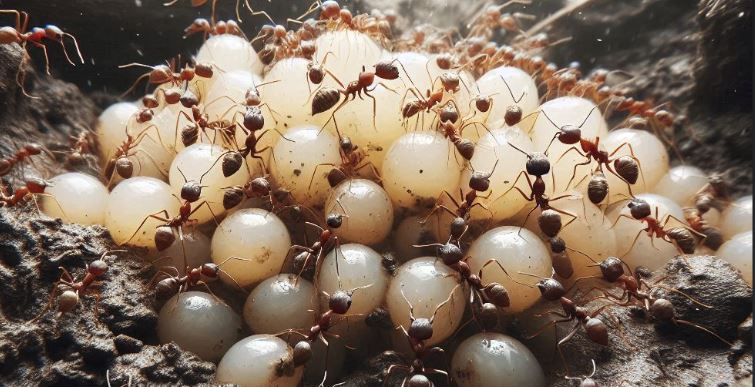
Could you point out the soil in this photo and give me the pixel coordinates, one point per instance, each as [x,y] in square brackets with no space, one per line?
[696,57]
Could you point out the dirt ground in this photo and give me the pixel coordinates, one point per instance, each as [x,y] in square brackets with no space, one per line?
[696,57]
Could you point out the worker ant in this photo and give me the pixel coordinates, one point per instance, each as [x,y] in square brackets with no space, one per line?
[23,154]
[174,283]
[351,163]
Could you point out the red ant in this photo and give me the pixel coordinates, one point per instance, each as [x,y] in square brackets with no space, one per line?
[119,162]
[164,233]
[713,236]
[162,74]
[327,97]
[81,145]
[20,36]
[69,289]
[681,237]
[420,330]
[491,18]
[308,260]
[448,116]
[461,215]
[173,284]
[351,162]
[32,187]
[22,154]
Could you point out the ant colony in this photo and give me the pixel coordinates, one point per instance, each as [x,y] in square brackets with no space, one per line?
[351,183]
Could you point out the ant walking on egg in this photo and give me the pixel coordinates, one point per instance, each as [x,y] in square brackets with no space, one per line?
[352,158]
[165,73]
[174,283]
[120,161]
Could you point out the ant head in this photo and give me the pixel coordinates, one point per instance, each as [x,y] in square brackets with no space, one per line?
[450,81]
[642,272]
[537,164]
[210,270]
[160,74]
[513,115]
[444,61]
[488,316]
[146,114]
[570,134]
[628,168]
[67,300]
[549,222]
[419,380]
[551,289]
[187,73]
[150,101]
[98,267]
[639,208]
[346,145]
[479,181]
[329,9]
[611,269]
[466,148]
[449,114]
[191,191]
[231,163]
[662,310]
[164,237]
[421,329]
[189,134]
[450,253]
[252,97]
[166,287]
[203,70]
[334,220]
[302,353]
[124,167]
[458,226]
[346,16]
[172,95]
[232,197]
[280,31]
[497,294]
[597,331]
[35,184]
[339,302]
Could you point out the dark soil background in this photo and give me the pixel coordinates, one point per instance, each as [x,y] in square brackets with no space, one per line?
[695,56]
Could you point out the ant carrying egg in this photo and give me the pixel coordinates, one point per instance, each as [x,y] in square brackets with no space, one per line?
[329,190]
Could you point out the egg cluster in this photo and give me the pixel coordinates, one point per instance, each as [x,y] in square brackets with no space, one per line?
[352,180]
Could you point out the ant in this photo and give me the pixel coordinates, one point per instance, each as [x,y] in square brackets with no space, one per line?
[586,380]
[327,97]
[191,192]
[420,330]
[32,187]
[36,36]
[308,260]
[351,162]
[681,237]
[161,74]
[22,154]
[713,236]
[461,215]
[627,168]
[119,162]
[448,116]
[550,218]
[713,195]
[595,328]
[68,290]
[81,145]
[173,284]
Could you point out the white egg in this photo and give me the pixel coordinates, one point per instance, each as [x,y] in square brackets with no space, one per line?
[644,253]
[359,267]
[431,288]
[509,86]
[737,217]
[228,53]
[258,361]
[299,165]
[517,250]
[281,302]
[203,164]
[192,251]
[287,92]
[111,126]
[681,183]
[495,359]
[367,210]
[649,151]
[411,180]
[255,235]
[738,252]
[412,232]
[199,322]
[350,50]
[76,198]
[130,205]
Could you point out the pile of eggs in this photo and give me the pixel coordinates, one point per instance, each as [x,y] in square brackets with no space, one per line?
[385,205]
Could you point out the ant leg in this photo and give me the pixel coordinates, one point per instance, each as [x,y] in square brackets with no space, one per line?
[703,328]
[542,329]
[44,51]
[493,260]
[153,216]
[632,245]
[564,340]
[618,218]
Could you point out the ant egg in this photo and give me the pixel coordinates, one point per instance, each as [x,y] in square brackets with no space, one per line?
[589,237]
[490,358]
[412,232]
[259,360]
[648,149]
[192,251]
[375,132]
[411,180]
[202,164]
[225,97]
[360,268]
[281,302]
[301,163]
[350,50]
[229,52]
[643,252]
[169,121]
[737,217]
[290,96]
[130,205]
[493,150]
[251,245]
[509,86]
[738,252]
[76,198]
[199,322]
[680,184]
[111,127]
[426,283]
[519,251]
[567,111]
[367,211]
